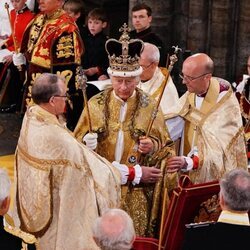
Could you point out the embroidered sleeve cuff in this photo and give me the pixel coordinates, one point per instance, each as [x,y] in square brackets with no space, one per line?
[138,174]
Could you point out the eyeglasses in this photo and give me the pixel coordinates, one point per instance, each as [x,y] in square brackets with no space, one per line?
[190,78]
[146,67]
[63,96]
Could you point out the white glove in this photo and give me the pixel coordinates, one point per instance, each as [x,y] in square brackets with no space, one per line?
[123,171]
[90,140]
[19,59]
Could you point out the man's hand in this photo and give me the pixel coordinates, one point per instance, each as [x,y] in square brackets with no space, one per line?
[145,145]
[102,77]
[90,140]
[174,164]
[150,174]
[19,59]
[91,71]
[7,59]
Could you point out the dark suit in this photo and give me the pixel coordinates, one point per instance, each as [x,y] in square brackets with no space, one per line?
[9,241]
[149,36]
[217,236]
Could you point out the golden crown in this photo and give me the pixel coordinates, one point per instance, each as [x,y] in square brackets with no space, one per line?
[124,54]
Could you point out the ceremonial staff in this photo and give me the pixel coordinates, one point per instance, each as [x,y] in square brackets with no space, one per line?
[82,82]
[13,34]
[173,60]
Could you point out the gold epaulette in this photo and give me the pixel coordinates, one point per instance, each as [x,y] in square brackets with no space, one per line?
[26,237]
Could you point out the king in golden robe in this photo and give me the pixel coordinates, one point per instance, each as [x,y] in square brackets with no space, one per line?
[115,125]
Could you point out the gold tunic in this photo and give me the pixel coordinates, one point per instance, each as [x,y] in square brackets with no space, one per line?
[61,185]
[142,202]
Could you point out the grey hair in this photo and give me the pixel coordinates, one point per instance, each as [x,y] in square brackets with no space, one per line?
[4,185]
[114,230]
[235,189]
[45,86]
[152,52]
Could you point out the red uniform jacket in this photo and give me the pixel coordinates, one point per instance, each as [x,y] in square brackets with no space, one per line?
[19,22]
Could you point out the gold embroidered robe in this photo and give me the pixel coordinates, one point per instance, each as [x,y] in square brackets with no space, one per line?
[141,201]
[61,186]
[219,133]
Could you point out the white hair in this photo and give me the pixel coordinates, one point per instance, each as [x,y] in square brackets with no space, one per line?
[4,185]
[114,230]
[152,52]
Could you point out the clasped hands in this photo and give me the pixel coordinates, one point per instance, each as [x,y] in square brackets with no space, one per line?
[176,163]
[148,174]
[145,144]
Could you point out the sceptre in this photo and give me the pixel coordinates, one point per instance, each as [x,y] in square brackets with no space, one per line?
[6,5]
[82,81]
[173,60]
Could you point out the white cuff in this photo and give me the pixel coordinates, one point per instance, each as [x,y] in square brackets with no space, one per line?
[138,174]
[189,162]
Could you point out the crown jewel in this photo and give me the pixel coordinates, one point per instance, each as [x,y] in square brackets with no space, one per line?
[124,54]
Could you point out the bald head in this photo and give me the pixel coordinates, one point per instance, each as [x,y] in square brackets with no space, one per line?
[114,230]
[197,71]
[150,52]
[201,62]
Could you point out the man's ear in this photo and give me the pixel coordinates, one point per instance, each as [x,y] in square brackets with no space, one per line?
[77,15]
[5,206]
[208,76]
[222,202]
[51,101]
[150,19]
[104,25]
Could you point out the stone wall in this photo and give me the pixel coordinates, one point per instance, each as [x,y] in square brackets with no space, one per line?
[220,28]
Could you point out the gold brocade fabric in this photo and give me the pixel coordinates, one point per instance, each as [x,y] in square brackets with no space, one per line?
[209,102]
[142,202]
[219,136]
[61,186]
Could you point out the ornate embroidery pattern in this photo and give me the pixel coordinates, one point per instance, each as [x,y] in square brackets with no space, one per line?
[35,32]
[65,47]
[142,100]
